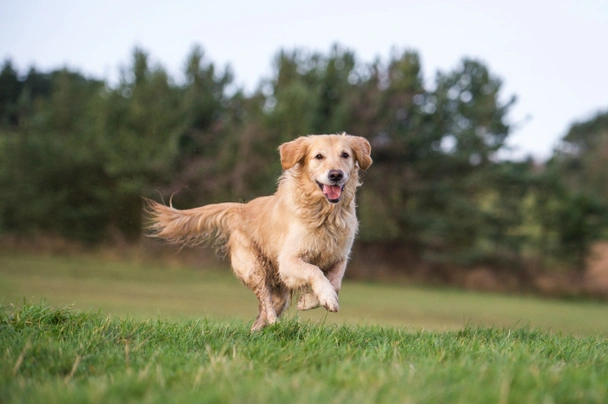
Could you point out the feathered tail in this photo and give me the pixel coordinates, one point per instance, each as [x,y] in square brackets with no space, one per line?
[192,226]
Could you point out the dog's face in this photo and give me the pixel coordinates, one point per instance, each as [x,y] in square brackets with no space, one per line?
[329,160]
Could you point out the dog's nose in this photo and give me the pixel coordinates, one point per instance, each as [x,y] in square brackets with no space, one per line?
[336,175]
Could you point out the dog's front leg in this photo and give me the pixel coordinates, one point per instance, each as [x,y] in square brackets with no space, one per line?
[252,272]
[309,300]
[296,274]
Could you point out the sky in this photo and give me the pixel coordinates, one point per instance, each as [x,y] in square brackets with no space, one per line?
[552,55]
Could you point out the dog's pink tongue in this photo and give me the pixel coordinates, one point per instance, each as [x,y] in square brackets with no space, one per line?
[332,191]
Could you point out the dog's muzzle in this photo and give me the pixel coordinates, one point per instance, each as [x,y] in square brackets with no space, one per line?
[333,192]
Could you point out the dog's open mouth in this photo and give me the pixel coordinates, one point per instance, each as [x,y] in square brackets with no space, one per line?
[333,193]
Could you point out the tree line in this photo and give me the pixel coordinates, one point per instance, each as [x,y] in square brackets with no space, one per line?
[77,154]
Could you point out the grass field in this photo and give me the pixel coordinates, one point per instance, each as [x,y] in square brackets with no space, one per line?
[141,333]
[143,290]
[56,356]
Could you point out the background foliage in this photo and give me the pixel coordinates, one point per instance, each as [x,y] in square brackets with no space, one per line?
[77,154]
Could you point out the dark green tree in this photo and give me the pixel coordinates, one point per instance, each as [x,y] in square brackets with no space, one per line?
[583,155]
[10,88]
[76,155]
[433,159]
[50,160]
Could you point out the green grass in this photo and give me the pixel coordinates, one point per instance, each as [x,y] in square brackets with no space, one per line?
[151,334]
[142,290]
[60,356]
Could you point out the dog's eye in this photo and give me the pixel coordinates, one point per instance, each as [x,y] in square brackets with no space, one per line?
[345,155]
[319,156]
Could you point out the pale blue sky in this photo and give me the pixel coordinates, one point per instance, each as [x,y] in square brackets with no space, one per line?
[552,55]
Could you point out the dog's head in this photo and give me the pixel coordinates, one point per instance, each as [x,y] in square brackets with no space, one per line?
[329,160]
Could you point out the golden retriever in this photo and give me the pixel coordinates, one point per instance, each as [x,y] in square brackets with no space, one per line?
[297,239]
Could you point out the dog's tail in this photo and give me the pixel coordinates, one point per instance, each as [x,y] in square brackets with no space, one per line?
[192,226]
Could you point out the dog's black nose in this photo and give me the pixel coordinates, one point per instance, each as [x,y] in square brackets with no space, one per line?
[336,175]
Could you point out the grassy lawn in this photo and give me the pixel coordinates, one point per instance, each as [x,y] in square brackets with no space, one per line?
[57,356]
[141,333]
[140,291]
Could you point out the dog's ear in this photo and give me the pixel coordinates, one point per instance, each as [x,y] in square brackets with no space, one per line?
[293,152]
[362,150]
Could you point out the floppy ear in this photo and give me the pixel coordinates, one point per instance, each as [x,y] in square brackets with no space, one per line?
[362,150]
[293,152]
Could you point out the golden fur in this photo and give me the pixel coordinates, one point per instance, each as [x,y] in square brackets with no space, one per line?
[297,239]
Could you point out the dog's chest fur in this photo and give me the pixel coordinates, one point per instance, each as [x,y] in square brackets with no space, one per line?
[326,231]
[328,244]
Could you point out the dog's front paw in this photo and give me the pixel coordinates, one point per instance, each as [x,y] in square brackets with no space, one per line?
[329,300]
[308,301]
[262,321]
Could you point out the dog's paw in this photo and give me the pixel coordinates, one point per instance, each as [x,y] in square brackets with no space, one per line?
[329,300]
[308,301]
[262,321]
[258,325]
